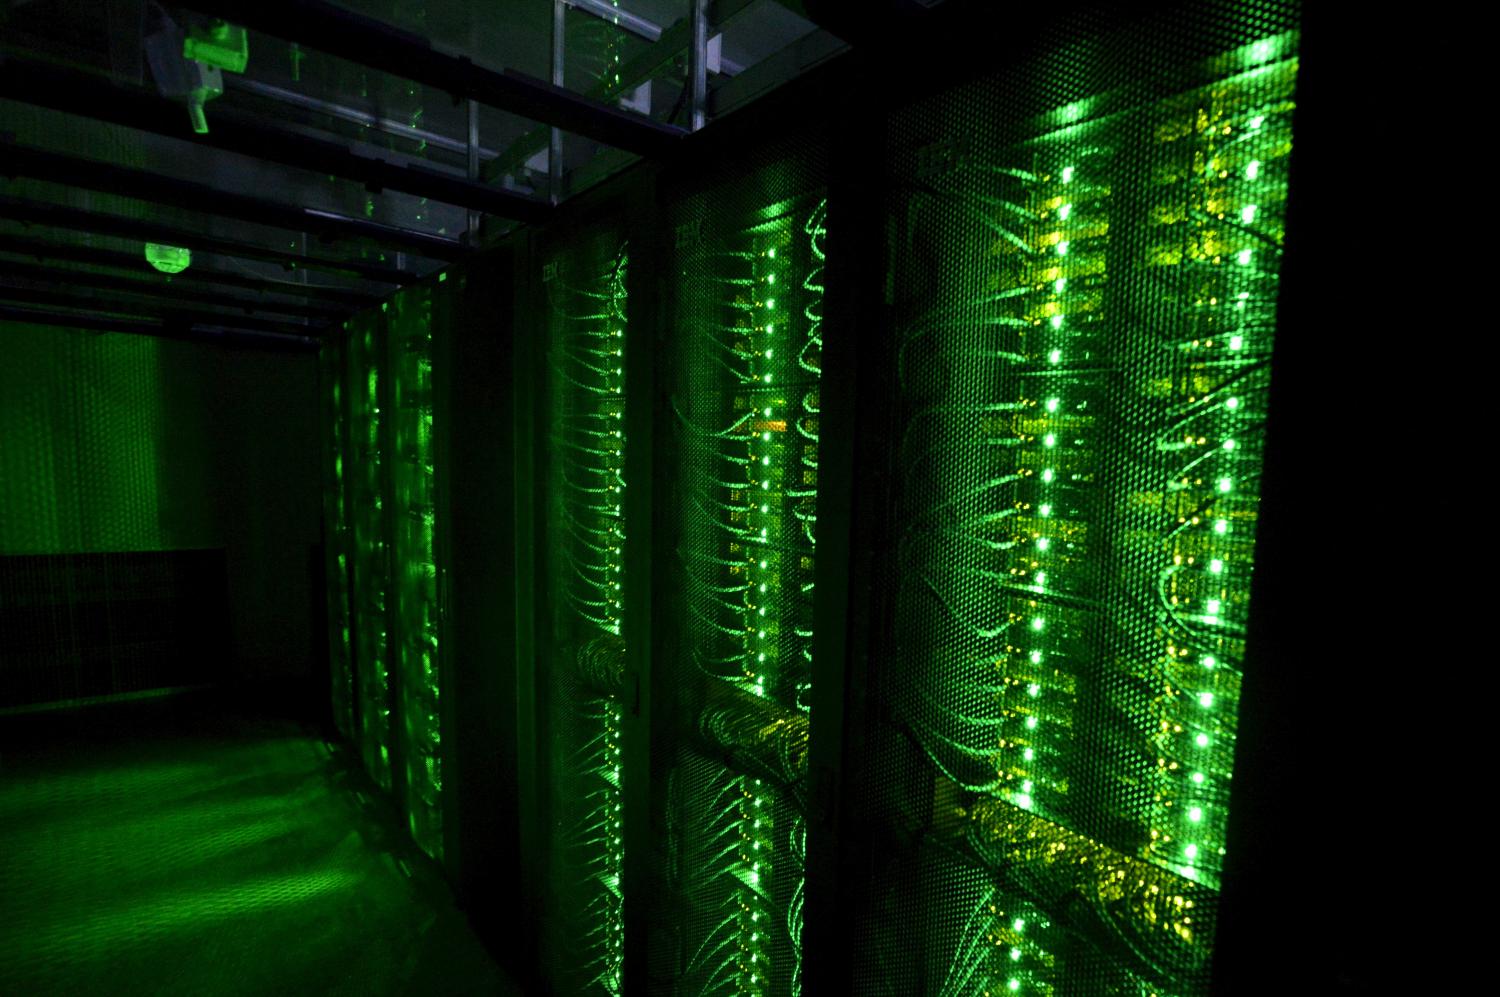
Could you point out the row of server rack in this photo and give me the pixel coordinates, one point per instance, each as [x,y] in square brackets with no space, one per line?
[822,564]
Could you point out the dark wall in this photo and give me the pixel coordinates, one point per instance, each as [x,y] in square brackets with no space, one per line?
[111,442]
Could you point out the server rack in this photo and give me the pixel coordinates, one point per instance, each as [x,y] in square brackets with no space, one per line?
[583,277]
[336,536]
[370,575]
[382,512]
[735,534]
[1081,293]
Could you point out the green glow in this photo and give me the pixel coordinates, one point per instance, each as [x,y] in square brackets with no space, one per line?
[1252,169]
[1067,174]
[1209,661]
[1205,699]
[1062,248]
[1057,321]
[1018,925]
[1236,342]
[1216,565]
[1195,814]
[1041,543]
[1036,657]
[1055,356]
[1064,211]
[1047,475]
[1050,440]
[1041,578]
[1038,623]
[1213,607]
[168,259]
[1033,690]
[1059,284]
[1221,526]
[1045,510]
[1247,213]
[1226,485]
[1052,404]
[1198,778]
[1244,257]
[1201,740]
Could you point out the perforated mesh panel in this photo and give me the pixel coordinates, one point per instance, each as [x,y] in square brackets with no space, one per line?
[1084,265]
[336,538]
[582,653]
[366,480]
[743,381]
[412,520]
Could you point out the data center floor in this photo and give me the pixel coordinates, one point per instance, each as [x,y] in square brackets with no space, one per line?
[193,847]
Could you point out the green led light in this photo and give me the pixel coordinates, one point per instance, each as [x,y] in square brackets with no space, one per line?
[168,259]
[1057,321]
[1221,526]
[1062,248]
[1064,211]
[1038,623]
[1067,174]
[1252,169]
[1052,404]
[1205,699]
[1198,778]
[1059,284]
[768,378]
[1055,356]
[1191,851]
[1045,510]
[770,354]
[1244,257]
[1235,342]
[1041,578]
[1226,485]
[1018,925]
[771,252]
[1048,475]
[1028,754]
[768,412]
[1213,607]
[1015,954]
[1050,440]
[1033,690]
[1201,740]
[1216,566]
[1257,121]
[770,329]
[1031,723]
[770,278]
[1209,661]
[1042,543]
[765,436]
[1036,657]
[765,508]
[1231,403]
[1195,814]
[770,302]
[765,460]
[1230,444]
[1247,213]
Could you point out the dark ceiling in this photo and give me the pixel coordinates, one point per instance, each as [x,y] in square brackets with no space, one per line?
[362,147]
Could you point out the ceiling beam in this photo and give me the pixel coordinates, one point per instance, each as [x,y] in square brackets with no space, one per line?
[125,181]
[199,273]
[61,216]
[92,96]
[133,311]
[373,43]
[159,286]
[94,323]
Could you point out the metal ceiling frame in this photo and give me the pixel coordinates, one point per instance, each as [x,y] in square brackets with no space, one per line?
[92,96]
[38,273]
[162,330]
[115,307]
[53,167]
[360,39]
[61,216]
[39,250]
